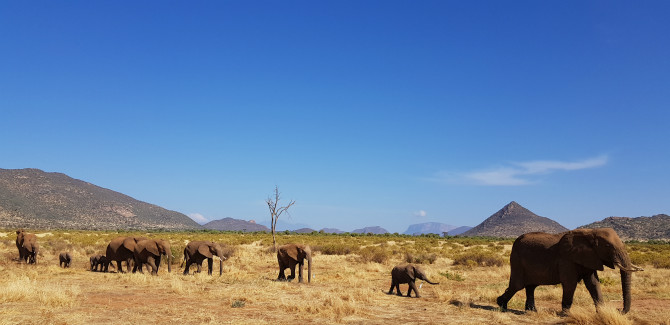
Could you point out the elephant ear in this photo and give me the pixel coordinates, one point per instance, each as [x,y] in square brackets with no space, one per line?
[579,246]
[152,247]
[411,271]
[292,251]
[129,243]
[204,250]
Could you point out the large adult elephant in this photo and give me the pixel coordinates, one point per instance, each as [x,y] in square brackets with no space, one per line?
[407,273]
[289,256]
[197,251]
[149,251]
[546,259]
[122,249]
[27,245]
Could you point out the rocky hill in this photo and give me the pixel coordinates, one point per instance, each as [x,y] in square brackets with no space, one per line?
[32,198]
[331,231]
[375,230]
[514,220]
[640,228]
[231,224]
[430,228]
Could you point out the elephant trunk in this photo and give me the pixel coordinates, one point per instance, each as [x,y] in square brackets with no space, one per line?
[309,268]
[221,265]
[625,289]
[169,262]
[431,282]
[626,268]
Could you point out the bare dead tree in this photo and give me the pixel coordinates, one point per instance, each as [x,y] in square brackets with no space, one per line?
[276,211]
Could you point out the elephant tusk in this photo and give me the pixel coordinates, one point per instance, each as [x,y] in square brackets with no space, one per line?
[633,268]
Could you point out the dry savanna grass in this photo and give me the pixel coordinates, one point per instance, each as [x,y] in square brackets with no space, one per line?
[351,278]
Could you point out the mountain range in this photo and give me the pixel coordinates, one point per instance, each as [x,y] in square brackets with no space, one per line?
[640,228]
[435,228]
[31,198]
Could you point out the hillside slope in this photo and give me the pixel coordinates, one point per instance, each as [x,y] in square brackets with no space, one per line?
[514,220]
[640,228]
[231,224]
[32,198]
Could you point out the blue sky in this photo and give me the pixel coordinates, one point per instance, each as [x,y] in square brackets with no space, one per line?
[365,112]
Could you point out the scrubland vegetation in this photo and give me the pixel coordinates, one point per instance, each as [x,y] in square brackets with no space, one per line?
[351,277]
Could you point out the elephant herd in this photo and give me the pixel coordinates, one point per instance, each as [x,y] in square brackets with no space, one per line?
[536,259]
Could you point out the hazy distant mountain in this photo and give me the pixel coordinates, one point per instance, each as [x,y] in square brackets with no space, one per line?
[459,230]
[231,224]
[304,230]
[640,228]
[32,198]
[332,231]
[375,230]
[283,225]
[430,228]
[514,220]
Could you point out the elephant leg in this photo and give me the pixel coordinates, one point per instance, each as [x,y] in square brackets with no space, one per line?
[393,284]
[199,267]
[291,265]
[530,297]
[187,266]
[282,267]
[210,266]
[119,267]
[568,294]
[300,266]
[592,283]
[507,295]
[397,289]
[151,262]
[412,286]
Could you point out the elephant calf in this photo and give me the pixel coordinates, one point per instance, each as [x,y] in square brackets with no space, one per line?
[65,259]
[407,273]
[99,260]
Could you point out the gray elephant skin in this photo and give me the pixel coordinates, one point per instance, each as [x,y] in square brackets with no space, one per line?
[196,252]
[290,255]
[122,249]
[28,247]
[64,259]
[149,252]
[407,273]
[546,259]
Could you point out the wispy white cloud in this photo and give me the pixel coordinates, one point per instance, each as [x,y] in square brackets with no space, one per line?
[199,218]
[519,173]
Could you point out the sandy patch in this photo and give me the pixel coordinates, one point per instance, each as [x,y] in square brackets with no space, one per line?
[44,234]
[3,234]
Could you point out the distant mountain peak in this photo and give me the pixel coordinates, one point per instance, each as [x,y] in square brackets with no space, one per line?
[514,220]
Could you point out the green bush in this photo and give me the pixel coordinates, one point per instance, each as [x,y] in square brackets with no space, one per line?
[478,257]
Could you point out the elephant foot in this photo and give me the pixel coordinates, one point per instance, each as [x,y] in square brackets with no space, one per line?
[501,302]
[531,308]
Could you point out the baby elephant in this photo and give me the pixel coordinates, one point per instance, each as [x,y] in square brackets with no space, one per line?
[65,259]
[407,273]
[98,260]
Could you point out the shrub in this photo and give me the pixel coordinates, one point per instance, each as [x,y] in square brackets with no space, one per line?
[422,258]
[478,257]
[333,249]
[373,254]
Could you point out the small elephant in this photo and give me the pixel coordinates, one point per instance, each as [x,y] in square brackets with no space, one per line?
[567,258]
[64,259]
[196,252]
[28,247]
[407,273]
[99,260]
[149,251]
[291,254]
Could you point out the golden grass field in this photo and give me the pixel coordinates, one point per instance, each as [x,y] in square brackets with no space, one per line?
[351,278]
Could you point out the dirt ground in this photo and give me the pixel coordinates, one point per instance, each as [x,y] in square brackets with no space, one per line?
[343,290]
